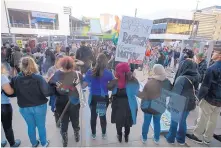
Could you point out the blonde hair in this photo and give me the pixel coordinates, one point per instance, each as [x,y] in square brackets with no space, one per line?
[28,66]
[4,70]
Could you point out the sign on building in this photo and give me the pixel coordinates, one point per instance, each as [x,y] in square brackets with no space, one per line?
[133,39]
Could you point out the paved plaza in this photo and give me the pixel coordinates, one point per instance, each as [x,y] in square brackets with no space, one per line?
[53,134]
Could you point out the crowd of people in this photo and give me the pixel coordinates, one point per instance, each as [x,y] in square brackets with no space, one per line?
[63,75]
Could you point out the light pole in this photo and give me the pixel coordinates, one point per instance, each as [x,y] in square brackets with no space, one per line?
[194,17]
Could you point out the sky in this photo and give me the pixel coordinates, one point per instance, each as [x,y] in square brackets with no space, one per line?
[149,9]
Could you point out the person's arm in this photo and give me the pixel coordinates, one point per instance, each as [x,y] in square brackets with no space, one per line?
[204,89]
[77,54]
[45,88]
[5,84]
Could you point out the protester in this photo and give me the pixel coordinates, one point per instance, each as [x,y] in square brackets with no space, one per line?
[64,81]
[161,59]
[50,73]
[187,79]
[124,104]
[153,90]
[97,80]
[31,90]
[6,110]
[176,56]
[202,65]
[85,54]
[210,104]
[16,57]
[49,60]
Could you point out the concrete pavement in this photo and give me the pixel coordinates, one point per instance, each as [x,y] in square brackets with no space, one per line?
[53,134]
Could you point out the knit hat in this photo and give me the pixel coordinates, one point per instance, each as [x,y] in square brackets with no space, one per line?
[200,55]
[217,46]
[159,72]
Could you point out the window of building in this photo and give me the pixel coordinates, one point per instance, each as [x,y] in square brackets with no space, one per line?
[33,19]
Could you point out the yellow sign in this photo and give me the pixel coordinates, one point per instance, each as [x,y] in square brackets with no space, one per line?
[19,43]
[173,28]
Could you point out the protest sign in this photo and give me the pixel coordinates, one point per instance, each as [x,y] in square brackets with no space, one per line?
[19,43]
[133,39]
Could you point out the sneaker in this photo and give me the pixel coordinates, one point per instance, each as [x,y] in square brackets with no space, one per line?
[36,145]
[93,136]
[168,141]
[104,136]
[192,137]
[155,141]
[205,142]
[217,137]
[181,144]
[47,144]
[17,143]
[3,143]
[143,140]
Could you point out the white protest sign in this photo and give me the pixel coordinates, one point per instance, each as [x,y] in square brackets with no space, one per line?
[133,39]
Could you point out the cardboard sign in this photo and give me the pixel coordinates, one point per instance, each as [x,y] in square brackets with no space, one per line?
[19,43]
[133,39]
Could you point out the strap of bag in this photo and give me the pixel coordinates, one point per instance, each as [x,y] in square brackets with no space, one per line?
[194,90]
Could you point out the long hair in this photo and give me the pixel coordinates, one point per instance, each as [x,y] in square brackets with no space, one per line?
[101,64]
[28,66]
[4,70]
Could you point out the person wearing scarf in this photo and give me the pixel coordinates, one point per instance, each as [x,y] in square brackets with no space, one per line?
[124,104]
[97,79]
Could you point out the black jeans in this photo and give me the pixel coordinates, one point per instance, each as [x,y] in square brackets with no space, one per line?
[71,114]
[103,120]
[6,113]
[119,130]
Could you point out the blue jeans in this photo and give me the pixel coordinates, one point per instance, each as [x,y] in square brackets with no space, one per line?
[181,133]
[35,117]
[146,124]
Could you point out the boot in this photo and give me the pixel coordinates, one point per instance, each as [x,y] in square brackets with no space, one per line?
[119,137]
[126,138]
[64,139]
[77,136]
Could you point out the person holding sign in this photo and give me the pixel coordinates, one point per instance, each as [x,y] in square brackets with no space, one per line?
[153,101]
[124,103]
[187,79]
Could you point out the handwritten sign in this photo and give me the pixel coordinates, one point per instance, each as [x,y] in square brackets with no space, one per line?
[19,43]
[133,39]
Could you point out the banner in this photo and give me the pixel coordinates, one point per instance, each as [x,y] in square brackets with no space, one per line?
[132,40]
[43,15]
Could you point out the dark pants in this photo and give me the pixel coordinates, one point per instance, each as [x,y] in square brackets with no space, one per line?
[71,114]
[6,113]
[119,130]
[94,115]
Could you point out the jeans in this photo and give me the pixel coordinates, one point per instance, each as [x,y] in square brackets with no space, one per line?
[181,133]
[35,117]
[6,113]
[156,123]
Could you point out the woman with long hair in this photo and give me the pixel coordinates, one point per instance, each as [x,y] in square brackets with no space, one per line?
[31,90]
[6,110]
[97,79]
[124,104]
[64,82]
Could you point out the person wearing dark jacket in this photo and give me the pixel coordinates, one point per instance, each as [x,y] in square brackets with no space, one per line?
[67,93]
[202,66]
[210,104]
[49,60]
[161,59]
[153,90]
[31,90]
[16,56]
[86,55]
[186,80]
